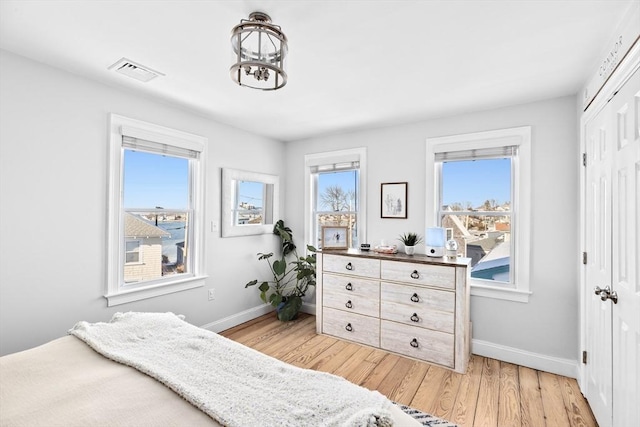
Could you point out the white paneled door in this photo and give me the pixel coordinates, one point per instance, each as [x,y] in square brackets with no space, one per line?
[599,391]
[626,254]
[612,207]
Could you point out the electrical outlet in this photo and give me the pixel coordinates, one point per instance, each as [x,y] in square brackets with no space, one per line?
[212,294]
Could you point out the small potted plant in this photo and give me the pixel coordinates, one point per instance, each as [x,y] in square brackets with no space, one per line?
[410,240]
[292,275]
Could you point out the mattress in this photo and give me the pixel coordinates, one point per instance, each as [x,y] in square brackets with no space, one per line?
[66,383]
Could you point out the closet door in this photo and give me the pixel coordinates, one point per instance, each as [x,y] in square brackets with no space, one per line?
[625,107]
[599,139]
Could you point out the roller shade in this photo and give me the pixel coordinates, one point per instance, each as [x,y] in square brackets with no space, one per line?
[476,154]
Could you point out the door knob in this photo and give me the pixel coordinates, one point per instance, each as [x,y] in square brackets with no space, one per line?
[606,294]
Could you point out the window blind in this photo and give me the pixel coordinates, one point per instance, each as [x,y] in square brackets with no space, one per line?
[335,167]
[475,154]
[138,144]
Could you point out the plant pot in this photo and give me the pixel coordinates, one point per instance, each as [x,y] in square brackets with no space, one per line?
[289,307]
[409,250]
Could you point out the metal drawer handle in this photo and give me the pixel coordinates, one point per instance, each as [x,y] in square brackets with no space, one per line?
[349,327]
[415,318]
[349,267]
[415,298]
[349,287]
[348,304]
[415,274]
[414,343]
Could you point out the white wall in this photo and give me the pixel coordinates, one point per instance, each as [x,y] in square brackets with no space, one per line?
[53,194]
[546,326]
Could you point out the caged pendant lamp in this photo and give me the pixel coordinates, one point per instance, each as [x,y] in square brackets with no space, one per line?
[259,49]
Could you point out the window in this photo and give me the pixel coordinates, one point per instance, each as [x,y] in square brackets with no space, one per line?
[481,196]
[155,211]
[336,195]
[132,248]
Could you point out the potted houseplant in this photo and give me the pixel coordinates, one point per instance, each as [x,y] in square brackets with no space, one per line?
[410,240]
[292,275]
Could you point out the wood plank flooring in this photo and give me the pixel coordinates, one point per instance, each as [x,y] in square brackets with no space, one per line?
[491,393]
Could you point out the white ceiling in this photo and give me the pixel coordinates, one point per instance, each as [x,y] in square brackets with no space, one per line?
[352,64]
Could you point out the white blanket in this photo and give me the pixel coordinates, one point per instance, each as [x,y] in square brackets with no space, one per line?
[233,384]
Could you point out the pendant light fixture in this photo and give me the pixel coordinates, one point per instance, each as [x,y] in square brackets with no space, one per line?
[259,49]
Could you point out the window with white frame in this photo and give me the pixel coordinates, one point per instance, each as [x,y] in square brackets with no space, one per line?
[155,210]
[336,195]
[481,196]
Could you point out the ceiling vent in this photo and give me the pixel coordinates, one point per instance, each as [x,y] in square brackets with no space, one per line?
[135,70]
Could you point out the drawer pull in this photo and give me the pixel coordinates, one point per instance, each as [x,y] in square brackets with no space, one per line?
[349,287]
[348,304]
[349,327]
[414,343]
[415,318]
[415,274]
[415,298]
[349,267]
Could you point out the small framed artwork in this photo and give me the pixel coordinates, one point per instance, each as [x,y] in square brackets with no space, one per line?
[335,237]
[393,200]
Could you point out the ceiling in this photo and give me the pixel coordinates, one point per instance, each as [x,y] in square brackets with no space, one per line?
[352,64]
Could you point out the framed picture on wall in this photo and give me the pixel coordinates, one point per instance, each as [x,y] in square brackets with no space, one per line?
[334,237]
[393,200]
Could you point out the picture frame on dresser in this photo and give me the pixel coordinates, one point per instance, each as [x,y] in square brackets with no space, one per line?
[393,200]
[335,237]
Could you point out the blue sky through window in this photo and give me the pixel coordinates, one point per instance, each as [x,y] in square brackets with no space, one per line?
[476,181]
[152,180]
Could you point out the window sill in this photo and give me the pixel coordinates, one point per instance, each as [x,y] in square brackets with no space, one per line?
[152,291]
[495,292]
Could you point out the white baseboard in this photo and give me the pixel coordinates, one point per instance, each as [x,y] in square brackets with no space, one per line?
[238,318]
[308,308]
[541,362]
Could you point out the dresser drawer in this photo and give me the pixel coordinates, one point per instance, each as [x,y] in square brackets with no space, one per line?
[351,294]
[419,274]
[418,306]
[423,344]
[351,326]
[353,266]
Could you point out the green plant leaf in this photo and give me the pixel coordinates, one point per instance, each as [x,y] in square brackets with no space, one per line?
[264,287]
[279,266]
[262,256]
[251,283]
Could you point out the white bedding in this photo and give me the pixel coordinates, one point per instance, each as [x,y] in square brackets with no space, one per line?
[65,383]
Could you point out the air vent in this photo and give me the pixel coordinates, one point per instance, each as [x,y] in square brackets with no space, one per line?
[135,70]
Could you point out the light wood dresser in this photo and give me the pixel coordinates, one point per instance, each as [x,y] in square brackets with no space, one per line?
[415,306]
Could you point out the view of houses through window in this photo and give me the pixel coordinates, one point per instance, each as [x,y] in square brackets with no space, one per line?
[156,215]
[476,210]
[336,202]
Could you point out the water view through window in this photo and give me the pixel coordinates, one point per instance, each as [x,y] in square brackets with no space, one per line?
[156,218]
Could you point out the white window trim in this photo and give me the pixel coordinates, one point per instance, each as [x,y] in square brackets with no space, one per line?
[339,156]
[118,125]
[521,203]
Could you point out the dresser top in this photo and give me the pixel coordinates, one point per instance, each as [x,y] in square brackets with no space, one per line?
[418,258]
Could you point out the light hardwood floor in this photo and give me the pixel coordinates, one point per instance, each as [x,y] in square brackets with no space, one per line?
[491,393]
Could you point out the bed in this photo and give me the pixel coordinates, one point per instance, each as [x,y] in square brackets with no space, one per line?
[155,369]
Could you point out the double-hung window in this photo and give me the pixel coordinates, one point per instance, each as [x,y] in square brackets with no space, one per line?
[481,197]
[155,210]
[336,195]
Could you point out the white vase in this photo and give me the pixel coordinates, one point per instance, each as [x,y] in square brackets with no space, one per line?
[409,250]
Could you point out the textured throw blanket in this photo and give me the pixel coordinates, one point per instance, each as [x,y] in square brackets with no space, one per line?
[234,384]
